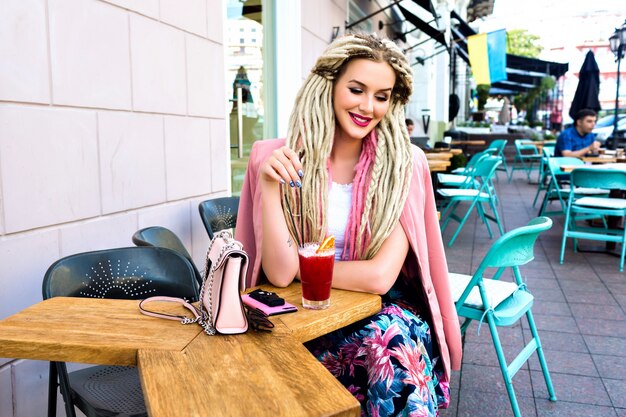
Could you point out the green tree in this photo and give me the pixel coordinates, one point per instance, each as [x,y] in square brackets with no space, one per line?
[521,42]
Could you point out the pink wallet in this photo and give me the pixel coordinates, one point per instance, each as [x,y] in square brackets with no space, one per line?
[267,310]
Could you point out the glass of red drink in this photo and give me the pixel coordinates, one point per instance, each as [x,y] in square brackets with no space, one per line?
[316,275]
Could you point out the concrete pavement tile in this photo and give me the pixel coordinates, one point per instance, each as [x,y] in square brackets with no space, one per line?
[485,354]
[613,367]
[597,311]
[590,297]
[489,379]
[545,307]
[617,391]
[582,285]
[617,277]
[567,342]
[621,299]
[546,408]
[538,283]
[509,336]
[476,403]
[555,295]
[606,345]
[616,287]
[621,412]
[572,388]
[553,323]
[573,363]
[601,327]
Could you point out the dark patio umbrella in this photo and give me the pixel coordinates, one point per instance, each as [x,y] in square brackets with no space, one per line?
[586,96]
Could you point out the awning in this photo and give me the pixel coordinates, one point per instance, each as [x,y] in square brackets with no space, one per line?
[417,22]
[523,73]
[423,26]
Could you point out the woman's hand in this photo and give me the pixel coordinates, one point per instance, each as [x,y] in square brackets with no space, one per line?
[279,257]
[283,166]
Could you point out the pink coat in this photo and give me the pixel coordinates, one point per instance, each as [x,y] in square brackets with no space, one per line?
[426,259]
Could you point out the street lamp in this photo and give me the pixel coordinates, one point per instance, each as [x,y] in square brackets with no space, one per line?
[617,43]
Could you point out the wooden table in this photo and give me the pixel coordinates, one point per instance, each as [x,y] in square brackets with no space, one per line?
[185,372]
[437,165]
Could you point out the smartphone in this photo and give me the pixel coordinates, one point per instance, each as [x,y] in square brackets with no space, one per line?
[267,310]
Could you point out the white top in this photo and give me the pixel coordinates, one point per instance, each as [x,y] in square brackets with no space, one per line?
[339,203]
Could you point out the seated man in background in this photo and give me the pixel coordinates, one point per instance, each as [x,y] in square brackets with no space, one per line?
[410,126]
[578,140]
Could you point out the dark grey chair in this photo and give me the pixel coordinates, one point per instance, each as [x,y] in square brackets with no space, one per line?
[162,237]
[121,273]
[219,214]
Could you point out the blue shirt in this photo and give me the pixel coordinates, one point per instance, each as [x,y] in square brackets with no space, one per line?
[570,140]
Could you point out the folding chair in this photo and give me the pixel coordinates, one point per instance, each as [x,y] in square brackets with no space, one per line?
[559,186]
[580,207]
[481,192]
[497,147]
[544,171]
[121,273]
[460,180]
[526,155]
[471,163]
[219,214]
[501,303]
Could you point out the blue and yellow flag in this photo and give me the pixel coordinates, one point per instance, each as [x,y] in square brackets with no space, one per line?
[487,54]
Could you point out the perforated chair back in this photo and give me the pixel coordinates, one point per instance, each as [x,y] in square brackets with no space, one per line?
[219,214]
[162,237]
[121,273]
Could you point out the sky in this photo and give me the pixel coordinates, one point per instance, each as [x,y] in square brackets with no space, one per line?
[559,22]
[562,26]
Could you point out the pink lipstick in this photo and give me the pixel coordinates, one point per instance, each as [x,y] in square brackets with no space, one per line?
[359,120]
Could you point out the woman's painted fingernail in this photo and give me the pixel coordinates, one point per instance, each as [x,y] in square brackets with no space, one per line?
[292,184]
[300,173]
[299,184]
[282,181]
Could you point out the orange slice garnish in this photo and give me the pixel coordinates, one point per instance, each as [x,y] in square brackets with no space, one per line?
[328,243]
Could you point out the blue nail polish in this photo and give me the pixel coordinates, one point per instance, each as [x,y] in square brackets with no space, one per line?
[299,184]
[300,173]
[282,181]
[292,184]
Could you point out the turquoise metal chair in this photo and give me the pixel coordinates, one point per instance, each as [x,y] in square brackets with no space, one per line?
[497,147]
[544,172]
[580,207]
[559,187]
[467,169]
[461,180]
[482,191]
[501,303]
[526,155]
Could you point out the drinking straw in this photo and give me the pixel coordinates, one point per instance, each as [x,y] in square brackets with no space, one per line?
[293,222]
[301,214]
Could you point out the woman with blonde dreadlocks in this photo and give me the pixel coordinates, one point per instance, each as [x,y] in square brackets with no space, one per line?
[361,180]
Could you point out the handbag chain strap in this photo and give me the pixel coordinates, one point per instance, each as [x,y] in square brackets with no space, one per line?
[206,313]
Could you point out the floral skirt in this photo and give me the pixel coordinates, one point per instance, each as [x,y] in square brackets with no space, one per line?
[386,362]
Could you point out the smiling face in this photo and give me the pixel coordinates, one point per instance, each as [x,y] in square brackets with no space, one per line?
[361,97]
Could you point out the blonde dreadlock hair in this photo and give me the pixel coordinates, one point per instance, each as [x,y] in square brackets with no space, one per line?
[385,157]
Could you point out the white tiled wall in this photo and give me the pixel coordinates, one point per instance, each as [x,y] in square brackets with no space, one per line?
[132,160]
[111,112]
[89,51]
[158,66]
[24,74]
